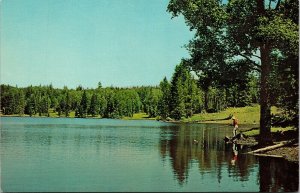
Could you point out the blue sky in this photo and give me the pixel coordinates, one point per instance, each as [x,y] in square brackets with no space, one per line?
[81,42]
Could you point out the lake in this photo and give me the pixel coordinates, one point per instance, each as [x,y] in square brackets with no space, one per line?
[66,154]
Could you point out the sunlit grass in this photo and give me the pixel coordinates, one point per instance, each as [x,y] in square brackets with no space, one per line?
[245,115]
[138,116]
[54,114]
[255,132]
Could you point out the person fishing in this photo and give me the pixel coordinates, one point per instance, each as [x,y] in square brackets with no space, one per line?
[235,125]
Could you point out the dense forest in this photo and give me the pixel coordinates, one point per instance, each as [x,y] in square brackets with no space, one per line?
[184,95]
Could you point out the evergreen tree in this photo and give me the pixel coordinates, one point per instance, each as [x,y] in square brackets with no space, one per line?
[67,106]
[83,105]
[102,105]
[30,107]
[99,85]
[179,92]
[61,105]
[163,104]
[94,106]
[20,103]
[8,101]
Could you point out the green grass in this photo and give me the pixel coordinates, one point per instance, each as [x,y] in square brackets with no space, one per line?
[55,114]
[139,116]
[255,132]
[245,115]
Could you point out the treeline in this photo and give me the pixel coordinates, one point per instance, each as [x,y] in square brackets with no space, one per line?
[111,102]
[182,96]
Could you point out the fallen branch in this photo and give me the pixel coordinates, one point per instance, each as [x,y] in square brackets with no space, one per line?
[284,143]
[267,155]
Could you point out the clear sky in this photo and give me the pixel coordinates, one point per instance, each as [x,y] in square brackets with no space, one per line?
[81,42]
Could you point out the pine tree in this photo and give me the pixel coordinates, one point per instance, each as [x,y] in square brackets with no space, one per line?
[163,104]
[83,105]
[67,104]
[94,105]
[179,92]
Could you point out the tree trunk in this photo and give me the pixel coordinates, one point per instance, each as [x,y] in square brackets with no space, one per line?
[265,103]
[206,100]
[272,147]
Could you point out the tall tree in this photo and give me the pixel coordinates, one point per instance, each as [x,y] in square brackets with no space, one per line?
[102,105]
[82,111]
[67,104]
[30,107]
[163,104]
[249,29]
[99,85]
[94,105]
[20,100]
[178,92]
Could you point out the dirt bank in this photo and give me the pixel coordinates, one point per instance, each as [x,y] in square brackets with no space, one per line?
[289,152]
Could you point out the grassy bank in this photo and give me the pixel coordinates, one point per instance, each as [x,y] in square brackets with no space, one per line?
[245,115]
[139,116]
[255,132]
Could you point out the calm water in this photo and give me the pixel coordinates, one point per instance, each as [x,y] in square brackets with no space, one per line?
[57,154]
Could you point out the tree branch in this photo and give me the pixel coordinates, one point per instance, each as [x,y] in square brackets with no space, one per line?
[256,56]
[256,66]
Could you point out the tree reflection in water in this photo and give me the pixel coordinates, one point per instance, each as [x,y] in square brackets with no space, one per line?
[186,144]
[278,175]
[204,144]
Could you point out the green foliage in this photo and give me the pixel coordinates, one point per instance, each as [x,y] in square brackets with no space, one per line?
[67,104]
[149,99]
[163,103]
[102,105]
[83,106]
[12,100]
[94,106]
[230,33]
[104,102]
[183,95]
[216,100]
[285,84]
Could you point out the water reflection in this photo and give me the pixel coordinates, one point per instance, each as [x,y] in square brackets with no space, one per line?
[240,165]
[235,153]
[185,145]
[276,175]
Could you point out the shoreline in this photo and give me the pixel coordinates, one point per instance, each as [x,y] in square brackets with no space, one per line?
[289,152]
[126,119]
